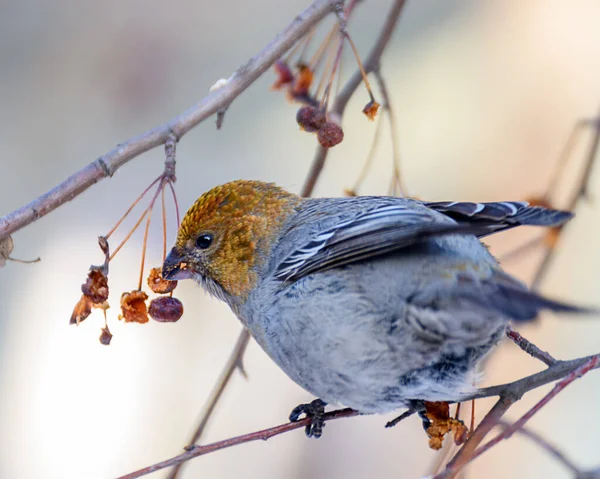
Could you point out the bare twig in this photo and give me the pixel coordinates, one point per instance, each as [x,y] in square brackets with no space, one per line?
[590,364]
[233,363]
[580,192]
[214,102]
[544,444]
[529,347]
[510,393]
[567,371]
[371,64]
[263,435]
[397,180]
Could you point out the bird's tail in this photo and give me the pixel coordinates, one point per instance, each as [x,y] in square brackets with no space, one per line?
[511,298]
[524,305]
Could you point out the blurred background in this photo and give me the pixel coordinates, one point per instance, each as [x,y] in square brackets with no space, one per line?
[485,95]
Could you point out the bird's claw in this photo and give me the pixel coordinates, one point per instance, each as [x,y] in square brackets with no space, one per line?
[314,410]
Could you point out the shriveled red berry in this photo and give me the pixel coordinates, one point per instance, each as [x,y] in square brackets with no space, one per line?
[304,80]
[330,134]
[96,286]
[158,284]
[310,118]
[133,307]
[82,310]
[371,109]
[166,309]
[284,74]
[105,336]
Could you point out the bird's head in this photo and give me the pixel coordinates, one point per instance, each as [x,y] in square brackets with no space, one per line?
[227,235]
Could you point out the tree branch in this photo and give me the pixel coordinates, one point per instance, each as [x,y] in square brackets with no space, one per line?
[263,435]
[234,362]
[567,371]
[215,101]
[529,347]
[511,394]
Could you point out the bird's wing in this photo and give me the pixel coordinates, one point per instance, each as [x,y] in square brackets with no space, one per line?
[505,214]
[393,224]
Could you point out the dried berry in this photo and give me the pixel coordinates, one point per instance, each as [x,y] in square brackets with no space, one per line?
[82,310]
[303,81]
[370,109]
[166,309]
[330,134]
[284,74]
[6,247]
[441,424]
[133,307]
[96,285]
[105,336]
[310,118]
[158,284]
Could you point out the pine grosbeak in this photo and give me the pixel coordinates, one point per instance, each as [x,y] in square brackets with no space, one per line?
[376,303]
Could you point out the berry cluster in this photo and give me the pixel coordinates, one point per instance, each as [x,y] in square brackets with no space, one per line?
[95,292]
[314,116]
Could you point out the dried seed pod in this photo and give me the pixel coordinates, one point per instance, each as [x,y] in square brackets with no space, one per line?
[310,118]
[284,74]
[330,134]
[166,309]
[82,310]
[105,336]
[96,285]
[159,285]
[6,247]
[133,307]
[441,424]
[371,109]
[303,81]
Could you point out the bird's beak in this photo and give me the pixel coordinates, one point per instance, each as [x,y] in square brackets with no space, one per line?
[175,268]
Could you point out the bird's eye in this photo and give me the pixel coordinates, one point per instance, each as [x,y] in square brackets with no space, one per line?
[204,241]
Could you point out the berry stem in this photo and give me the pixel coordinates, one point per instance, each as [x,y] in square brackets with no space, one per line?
[107,236]
[135,227]
[149,210]
[318,56]
[370,157]
[305,44]
[360,65]
[164,220]
[472,426]
[176,203]
[338,56]
[330,55]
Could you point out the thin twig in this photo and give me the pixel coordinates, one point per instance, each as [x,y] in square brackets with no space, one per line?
[567,371]
[215,101]
[544,444]
[509,394]
[581,192]
[254,436]
[232,364]
[529,347]
[387,105]
[590,364]
[485,426]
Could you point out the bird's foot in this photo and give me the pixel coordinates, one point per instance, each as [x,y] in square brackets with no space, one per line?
[314,410]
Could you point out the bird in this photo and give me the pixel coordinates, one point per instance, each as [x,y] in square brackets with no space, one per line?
[372,302]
